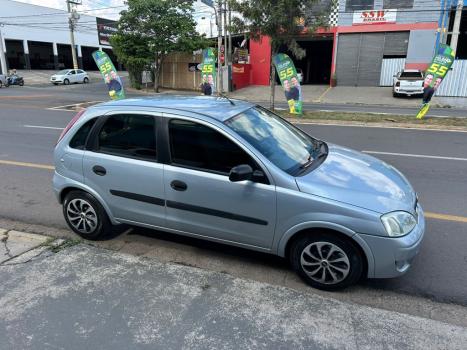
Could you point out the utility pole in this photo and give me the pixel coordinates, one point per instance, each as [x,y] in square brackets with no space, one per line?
[219,44]
[72,19]
[2,53]
[457,24]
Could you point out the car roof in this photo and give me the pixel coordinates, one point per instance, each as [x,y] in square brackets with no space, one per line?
[219,108]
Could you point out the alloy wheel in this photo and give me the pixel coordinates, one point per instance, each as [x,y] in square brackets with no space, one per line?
[325,262]
[81,215]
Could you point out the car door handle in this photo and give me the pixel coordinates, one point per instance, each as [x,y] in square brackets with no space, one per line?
[99,170]
[178,185]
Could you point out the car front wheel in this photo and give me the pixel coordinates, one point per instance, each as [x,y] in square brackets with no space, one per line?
[326,261]
[86,80]
[86,216]
[66,82]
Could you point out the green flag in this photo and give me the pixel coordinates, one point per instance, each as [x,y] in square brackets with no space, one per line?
[289,80]
[208,69]
[434,75]
[109,73]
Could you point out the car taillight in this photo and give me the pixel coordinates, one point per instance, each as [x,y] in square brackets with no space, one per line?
[398,83]
[70,124]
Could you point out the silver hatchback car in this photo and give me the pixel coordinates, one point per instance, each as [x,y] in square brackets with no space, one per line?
[233,172]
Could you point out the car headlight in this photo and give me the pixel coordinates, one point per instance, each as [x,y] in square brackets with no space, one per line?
[398,223]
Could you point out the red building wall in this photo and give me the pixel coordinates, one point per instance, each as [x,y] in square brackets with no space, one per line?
[260,59]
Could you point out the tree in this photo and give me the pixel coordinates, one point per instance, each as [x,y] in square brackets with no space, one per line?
[282,21]
[149,30]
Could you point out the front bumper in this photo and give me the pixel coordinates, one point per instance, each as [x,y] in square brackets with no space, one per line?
[56,80]
[393,256]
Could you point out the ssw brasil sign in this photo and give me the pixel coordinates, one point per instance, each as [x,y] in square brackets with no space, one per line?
[374,17]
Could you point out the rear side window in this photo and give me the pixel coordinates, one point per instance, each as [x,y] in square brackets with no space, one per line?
[79,140]
[132,136]
[411,75]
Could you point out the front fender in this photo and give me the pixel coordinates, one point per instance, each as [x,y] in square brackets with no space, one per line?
[290,233]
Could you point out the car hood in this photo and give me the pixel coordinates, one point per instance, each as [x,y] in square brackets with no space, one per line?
[358,179]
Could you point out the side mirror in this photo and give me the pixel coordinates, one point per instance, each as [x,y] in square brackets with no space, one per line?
[241,173]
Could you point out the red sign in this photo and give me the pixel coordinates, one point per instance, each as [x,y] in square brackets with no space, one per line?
[374,17]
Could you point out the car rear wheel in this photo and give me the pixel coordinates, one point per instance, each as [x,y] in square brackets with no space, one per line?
[326,261]
[1,84]
[86,216]
[66,82]
[86,80]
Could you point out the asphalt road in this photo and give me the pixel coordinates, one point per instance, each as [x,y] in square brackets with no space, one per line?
[434,161]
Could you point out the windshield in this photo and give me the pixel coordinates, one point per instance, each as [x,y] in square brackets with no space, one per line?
[284,145]
[63,72]
[411,75]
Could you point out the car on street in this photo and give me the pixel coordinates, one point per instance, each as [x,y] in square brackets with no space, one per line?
[233,172]
[408,82]
[70,76]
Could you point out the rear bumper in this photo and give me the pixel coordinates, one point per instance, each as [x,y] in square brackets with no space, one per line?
[408,92]
[393,256]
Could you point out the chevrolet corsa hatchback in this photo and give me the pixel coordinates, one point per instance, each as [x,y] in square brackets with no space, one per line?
[235,173]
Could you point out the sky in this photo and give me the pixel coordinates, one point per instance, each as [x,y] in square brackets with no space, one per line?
[117,6]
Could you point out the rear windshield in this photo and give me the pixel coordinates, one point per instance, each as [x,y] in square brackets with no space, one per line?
[411,75]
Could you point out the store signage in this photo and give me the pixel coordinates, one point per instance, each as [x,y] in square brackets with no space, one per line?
[105,29]
[374,17]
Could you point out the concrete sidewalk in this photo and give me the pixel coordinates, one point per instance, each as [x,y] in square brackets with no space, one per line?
[346,95]
[83,297]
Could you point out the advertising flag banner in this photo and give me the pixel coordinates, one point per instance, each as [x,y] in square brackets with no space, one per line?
[434,75]
[109,73]
[289,80]
[208,71]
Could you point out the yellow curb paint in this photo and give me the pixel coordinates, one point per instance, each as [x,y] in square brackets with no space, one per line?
[323,94]
[446,217]
[27,165]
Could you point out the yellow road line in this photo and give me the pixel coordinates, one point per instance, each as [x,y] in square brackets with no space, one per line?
[323,94]
[446,217]
[22,97]
[28,165]
[429,215]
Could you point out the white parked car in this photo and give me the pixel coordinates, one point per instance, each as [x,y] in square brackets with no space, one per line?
[70,76]
[408,82]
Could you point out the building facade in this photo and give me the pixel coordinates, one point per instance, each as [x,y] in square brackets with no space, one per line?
[37,37]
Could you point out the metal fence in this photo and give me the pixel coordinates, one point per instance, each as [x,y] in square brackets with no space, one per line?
[455,83]
[389,68]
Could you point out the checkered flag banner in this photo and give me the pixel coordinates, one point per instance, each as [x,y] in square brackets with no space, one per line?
[334,15]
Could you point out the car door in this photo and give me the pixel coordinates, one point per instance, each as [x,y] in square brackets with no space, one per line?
[201,199]
[80,75]
[121,165]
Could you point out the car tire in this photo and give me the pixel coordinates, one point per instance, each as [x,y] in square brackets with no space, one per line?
[395,94]
[86,80]
[86,216]
[21,84]
[338,257]
[66,82]
[55,83]
[1,84]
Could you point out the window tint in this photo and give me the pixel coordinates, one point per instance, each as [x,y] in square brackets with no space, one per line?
[197,146]
[411,75]
[72,72]
[79,140]
[80,71]
[398,4]
[359,5]
[130,136]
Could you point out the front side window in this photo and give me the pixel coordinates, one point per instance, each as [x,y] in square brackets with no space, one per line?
[79,139]
[131,136]
[286,146]
[197,146]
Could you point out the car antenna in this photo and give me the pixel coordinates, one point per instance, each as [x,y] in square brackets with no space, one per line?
[227,98]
